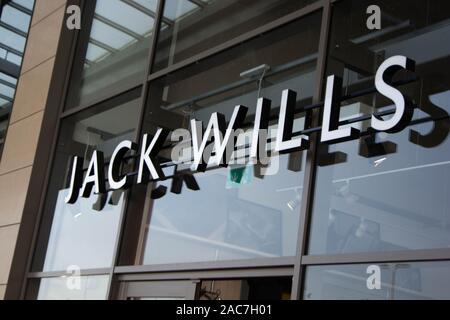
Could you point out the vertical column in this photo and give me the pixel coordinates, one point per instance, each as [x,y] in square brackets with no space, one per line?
[311,159]
[25,125]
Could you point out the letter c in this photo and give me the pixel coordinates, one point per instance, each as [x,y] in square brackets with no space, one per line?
[114,167]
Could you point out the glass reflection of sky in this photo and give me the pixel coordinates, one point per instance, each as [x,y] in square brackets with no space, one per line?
[82,236]
[391,202]
[91,288]
[118,24]
[220,222]
[399,281]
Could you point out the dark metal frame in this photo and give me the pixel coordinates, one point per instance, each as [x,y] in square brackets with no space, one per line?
[2,4]
[290,266]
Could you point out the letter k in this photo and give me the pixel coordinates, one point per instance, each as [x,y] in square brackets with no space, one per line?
[147,161]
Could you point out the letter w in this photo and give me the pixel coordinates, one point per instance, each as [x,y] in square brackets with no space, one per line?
[216,129]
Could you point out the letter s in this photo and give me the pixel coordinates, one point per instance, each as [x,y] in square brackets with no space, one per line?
[404,108]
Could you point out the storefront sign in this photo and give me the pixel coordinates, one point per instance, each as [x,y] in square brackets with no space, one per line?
[223,135]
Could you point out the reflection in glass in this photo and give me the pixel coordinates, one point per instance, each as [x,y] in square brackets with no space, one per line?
[116,53]
[64,288]
[239,212]
[398,281]
[246,289]
[256,218]
[84,234]
[387,192]
[191,27]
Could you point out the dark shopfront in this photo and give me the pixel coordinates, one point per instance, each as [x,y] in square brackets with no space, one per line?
[314,228]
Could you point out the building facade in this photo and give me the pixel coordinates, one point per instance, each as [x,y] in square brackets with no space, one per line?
[342,206]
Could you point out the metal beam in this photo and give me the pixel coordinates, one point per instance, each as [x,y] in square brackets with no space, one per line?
[102,45]
[309,179]
[8,84]
[313,7]
[146,11]
[119,27]
[2,96]
[9,68]
[199,3]
[12,50]
[13,29]
[19,7]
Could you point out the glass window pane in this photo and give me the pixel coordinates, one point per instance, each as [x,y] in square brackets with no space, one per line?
[6,91]
[150,4]
[65,288]
[390,191]
[115,55]
[190,28]
[81,235]
[8,78]
[95,53]
[109,37]
[3,103]
[17,60]
[174,10]
[243,211]
[84,234]
[225,221]
[397,281]
[16,18]
[12,40]
[125,15]
[25,3]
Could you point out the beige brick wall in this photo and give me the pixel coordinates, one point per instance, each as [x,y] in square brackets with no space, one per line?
[25,125]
